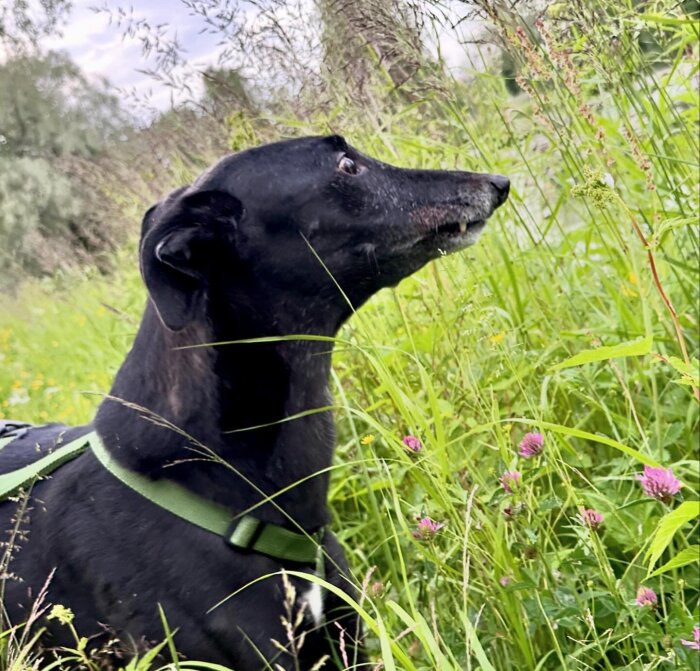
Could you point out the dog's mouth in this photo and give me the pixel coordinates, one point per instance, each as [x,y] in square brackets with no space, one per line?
[459,228]
[448,228]
[453,235]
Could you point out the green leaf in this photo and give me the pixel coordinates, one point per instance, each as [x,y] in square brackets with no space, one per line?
[476,647]
[690,372]
[688,556]
[667,527]
[638,347]
[669,225]
[585,435]
[670,20]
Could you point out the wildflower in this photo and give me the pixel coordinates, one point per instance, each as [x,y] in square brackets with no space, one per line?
[504,581]
[412,443]
[659,483]
[427,528]
[377,588]
[530,552]
[367,440]
[62,614]
[510,512]
[695,643]
[531,445]
[646,597]
[595,185]
[509,480]
[591,518]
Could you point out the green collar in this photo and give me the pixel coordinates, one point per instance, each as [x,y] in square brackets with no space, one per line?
[243,533]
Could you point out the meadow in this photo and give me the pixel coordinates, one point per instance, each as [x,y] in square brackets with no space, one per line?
[496,412]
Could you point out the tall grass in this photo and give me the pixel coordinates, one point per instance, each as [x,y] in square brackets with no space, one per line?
[576,316]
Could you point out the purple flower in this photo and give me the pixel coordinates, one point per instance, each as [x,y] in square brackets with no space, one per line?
[659,483]
[695,643]
[509,480]
[591,518]
[504,581]
[511,512]
[531,445]
[412,443]
[646,597]
[427,528]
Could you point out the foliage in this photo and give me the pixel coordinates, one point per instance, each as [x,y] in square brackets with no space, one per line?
[49,108]
[575,317]
[359,35]
[49,114]
[23,23]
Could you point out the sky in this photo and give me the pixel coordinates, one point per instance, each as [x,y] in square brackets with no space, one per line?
[96,42]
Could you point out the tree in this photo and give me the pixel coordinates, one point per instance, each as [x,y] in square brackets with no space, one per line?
[49,113]
[360,34]
[23,23]
[49,109]
[226,91]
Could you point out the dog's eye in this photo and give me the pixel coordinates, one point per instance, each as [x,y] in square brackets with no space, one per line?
[347,165]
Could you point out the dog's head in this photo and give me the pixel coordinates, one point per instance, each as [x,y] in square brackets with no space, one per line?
[277,233]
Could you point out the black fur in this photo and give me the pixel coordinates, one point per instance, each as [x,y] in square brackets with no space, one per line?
[258,246]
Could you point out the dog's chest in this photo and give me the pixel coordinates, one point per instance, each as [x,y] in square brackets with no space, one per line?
[312,602]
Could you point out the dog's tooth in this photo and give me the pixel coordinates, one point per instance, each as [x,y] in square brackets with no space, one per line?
[462,226]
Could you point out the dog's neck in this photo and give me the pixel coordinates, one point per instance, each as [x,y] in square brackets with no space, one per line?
[217,419]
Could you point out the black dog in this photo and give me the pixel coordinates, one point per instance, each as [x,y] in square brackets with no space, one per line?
[282,240]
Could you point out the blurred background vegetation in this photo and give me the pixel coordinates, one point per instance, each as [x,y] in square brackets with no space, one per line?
[69,144]
[591,108]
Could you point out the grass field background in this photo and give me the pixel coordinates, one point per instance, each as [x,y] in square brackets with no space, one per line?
[575,317]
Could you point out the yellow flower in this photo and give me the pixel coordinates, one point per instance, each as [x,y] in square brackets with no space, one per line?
[633,278]
[62,614]
[497,338]
[368,439]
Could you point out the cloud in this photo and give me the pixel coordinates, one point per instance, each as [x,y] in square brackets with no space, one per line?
[102,51]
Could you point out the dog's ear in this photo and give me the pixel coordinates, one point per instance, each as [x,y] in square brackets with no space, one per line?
[180,238]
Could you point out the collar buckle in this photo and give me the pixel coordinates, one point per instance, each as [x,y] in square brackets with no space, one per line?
[250,534]
[245,532]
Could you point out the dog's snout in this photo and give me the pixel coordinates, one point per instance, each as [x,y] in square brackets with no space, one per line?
[501,185]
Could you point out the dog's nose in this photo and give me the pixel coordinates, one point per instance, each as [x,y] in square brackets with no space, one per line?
[502,186]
